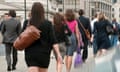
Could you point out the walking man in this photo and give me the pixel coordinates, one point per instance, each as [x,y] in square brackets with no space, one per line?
[86,24]
[10,30]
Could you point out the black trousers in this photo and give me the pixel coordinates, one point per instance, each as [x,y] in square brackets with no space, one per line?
[11,54]
[85,50]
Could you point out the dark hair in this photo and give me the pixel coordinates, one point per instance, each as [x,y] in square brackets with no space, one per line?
[12,13]
[95,15]
[6,13]
[58,22]
[70,16]
[81,12]
[37,14]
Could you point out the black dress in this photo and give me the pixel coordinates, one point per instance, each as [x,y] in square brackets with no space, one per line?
[102,37]
[38,54]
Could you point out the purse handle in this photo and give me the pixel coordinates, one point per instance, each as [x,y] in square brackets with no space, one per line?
[82,25]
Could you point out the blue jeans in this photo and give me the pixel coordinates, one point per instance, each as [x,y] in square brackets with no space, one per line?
[114,39]
[71,48]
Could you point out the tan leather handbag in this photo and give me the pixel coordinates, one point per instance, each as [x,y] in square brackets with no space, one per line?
[26,38]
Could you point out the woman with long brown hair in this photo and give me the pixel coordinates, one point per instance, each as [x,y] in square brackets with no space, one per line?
[102,38]
[37,55]
[73,25]
[61,32]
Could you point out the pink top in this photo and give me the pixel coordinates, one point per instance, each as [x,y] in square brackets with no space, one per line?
[72,25]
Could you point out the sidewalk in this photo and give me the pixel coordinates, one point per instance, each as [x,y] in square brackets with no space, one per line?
[21,66]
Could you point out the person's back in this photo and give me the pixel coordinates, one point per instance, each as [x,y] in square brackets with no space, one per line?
[10,30]
[84,21]
[45,41]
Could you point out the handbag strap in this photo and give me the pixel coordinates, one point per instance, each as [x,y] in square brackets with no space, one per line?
[81,25]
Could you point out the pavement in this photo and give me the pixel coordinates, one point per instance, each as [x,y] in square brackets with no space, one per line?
[21,65]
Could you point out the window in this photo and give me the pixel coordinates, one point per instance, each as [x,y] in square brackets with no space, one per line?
[60,9]
[113,15]
[112,9]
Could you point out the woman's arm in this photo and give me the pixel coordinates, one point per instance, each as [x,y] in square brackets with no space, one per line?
[77,33]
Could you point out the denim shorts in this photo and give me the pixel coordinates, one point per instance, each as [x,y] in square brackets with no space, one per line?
[72,47]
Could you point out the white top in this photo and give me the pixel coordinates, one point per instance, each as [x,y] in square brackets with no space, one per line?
[92,23]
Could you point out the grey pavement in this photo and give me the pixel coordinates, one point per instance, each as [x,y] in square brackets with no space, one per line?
[21,66]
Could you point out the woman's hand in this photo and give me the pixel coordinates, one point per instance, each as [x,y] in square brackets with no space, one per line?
[91,40]
[59,59]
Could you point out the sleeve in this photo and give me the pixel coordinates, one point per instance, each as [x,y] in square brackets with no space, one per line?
[2,27]
[89,27]
[95,28]
[108,23]
[52,36]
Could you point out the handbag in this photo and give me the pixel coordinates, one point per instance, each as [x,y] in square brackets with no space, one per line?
[26,38]
[87,33]
[109,30]
[78,58]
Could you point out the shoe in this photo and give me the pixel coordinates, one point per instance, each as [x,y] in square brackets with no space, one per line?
[84,60]
[13,68]
[9,68]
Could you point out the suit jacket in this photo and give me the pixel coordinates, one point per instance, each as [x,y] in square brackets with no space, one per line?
[10,30]
[86,23]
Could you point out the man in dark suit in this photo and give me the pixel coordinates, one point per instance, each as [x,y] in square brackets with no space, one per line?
[86,24]
[10,30]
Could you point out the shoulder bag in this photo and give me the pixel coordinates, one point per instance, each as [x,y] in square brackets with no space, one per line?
[87,33]
[26,38]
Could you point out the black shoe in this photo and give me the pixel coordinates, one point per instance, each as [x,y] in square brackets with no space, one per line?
[84,60]
[9,68]
[13,68]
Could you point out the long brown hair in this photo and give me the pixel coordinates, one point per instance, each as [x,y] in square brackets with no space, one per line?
[70,15]
[101,16]
[37,14]
[58,21]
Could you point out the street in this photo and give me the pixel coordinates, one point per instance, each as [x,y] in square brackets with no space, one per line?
[21,66]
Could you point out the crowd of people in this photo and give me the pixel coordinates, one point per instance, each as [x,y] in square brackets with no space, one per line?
[63,35]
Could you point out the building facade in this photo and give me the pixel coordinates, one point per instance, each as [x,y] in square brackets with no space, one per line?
[104,6]
[114,1]
[116,11]
[90,6]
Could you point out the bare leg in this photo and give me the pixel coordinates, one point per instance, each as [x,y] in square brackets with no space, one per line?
[59,67]
[33,69]
[99,53]
[43,70]
[68,63]
[103,51]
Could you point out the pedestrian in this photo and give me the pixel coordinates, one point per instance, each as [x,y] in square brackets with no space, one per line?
[37,55]
[114,36]
[86,24]
[6,17]
[61,32]
[103,42]
[75,37]
[10,30]
[93,38]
